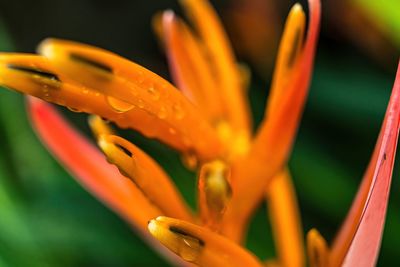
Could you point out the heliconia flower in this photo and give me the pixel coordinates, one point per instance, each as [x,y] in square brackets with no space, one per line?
[208,120]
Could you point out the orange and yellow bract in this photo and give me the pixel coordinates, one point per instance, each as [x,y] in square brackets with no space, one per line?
[209,121]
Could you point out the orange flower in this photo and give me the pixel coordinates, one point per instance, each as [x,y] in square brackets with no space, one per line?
[209,122]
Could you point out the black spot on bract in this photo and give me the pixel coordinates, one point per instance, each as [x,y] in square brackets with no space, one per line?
[126,151]
[179,231]
[34,71]
[90,62]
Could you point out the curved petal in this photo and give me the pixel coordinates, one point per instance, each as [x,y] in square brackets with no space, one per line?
[147,175]
[190,67]
[144,101]
[90,168]
[317,250]
[359,239]
[288,55]
[221,55]
[199,245]
[273,143]
[285,220]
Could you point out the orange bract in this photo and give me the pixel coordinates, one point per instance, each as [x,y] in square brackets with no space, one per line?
[146,174]
[191,68]
[222,59]
[200,245]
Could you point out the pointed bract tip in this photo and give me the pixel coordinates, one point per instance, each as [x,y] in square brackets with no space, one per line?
[168,15]
[297,7]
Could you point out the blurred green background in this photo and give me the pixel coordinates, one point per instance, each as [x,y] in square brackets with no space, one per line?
[47,219]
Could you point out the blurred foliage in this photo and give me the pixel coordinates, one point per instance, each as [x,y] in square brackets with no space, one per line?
[47,219]
[387,14]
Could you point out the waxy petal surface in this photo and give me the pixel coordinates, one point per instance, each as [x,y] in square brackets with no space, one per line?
[199,245]
[190,67]
[147,175]
[223,61]
[144,90]
[291,45]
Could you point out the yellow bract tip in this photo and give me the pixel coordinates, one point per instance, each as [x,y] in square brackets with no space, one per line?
[185,245]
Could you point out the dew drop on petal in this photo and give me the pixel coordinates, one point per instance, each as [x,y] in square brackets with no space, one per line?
[189,250]
[178,111]
[189,160]
[155,94]
[162,113]
[119,105]
[73,109]
[172,130]
[46,93]
[140,103]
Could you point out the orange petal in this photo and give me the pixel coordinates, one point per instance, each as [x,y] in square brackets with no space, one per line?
[91,169]
[149,177]
[359,239]
[199,245]
[275,137]
[221,55]
[190,67]
[285,220]
[288,55]
[170,118]
[273,143]
[317,249]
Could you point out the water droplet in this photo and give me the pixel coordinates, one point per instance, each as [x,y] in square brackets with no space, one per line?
[46,93]
[119,105]
[189,160]
[162,113]
[73,109]
[135,92]
[189,250]
[178,111]
[172,130]
[155,94]
[85,91]
[188,246]
[140,103]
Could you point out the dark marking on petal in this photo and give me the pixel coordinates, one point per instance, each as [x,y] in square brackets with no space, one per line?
[293,53]
[90,62]
[179,231]
[126,151]
[34,71]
